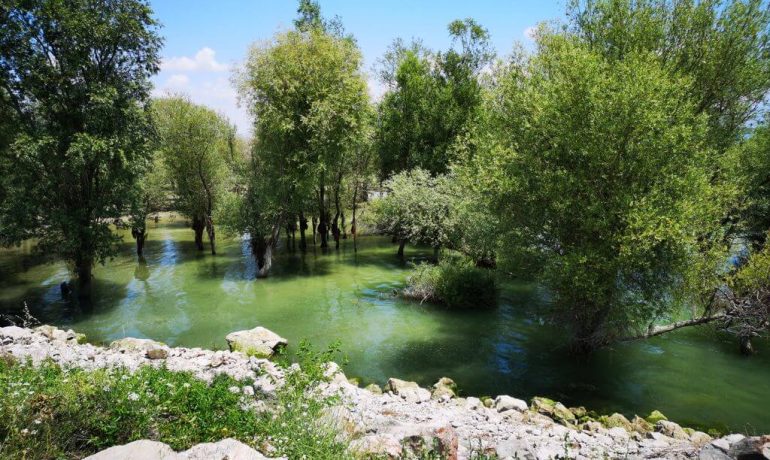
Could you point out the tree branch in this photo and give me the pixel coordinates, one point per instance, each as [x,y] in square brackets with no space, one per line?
[660,330]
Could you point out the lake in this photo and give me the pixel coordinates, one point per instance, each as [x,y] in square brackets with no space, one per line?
[186,298]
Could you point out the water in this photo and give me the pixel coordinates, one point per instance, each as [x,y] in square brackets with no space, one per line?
[186,298]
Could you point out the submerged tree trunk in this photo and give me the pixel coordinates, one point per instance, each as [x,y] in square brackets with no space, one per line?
[323,228]
[313,221]
[211,234]
[262,247]
[84,273]
[353,222]
[198,227]
[344,229]
[302,228]
[746,347]
[401,245]
[140,235]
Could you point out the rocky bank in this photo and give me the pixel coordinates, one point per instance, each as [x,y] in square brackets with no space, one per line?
[401,419]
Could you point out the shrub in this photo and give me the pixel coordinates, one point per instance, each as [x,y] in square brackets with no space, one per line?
[455,283]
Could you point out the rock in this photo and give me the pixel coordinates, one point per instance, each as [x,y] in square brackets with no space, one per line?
[672,430]
[487,401]
[592,426]
[641,425]
[259,342]
[373,388]
[504,403]
[555,410]
[444,389]
[157,353]
[754,447]
[710,452]
[515,448]
[699,438]
[655,417]
[226,449]
[733,438]
[131,344]
[472,403]
[137,450]
[409,391]
[377,446]
[15,332]
[617,421]
[721,444]
[579,411]
[425,441]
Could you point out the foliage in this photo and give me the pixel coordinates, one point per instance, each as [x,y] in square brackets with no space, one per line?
[606,187]
[195,143]
[723,46]
[49,412]
[77,79]
[310,105]
[433,100]
[454,282]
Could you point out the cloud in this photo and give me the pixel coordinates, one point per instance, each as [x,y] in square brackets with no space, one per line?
[177,81]
[530,32]
[204,60]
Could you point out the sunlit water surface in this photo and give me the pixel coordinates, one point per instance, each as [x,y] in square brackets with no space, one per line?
[183,297]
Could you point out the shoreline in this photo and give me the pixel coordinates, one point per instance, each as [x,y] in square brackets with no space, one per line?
[384,421]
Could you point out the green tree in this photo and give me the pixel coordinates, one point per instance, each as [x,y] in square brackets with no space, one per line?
[308,96]
[196,145]
[604,173]
[76,75]
[151,195]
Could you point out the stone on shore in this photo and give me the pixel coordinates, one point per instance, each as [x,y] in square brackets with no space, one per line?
[672,430]
[137,450]
[444,390]
[258,342]
[504,403]
[754,447]
[373,388]
[145,449]
[555,410]
[409,391]
[655,417]
[229,449]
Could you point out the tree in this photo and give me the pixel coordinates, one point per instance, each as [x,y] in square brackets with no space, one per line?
[723,45]
[433,100]
[195,143]
[604,177]
[309,100]
[76,75]
[151,194]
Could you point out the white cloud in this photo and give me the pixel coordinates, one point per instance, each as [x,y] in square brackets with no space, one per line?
[529,32]
[177,81]
[204,60]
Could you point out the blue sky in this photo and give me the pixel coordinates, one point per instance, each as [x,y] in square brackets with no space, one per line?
[205,39]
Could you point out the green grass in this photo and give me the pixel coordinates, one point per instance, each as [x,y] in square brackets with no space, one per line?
[47,412]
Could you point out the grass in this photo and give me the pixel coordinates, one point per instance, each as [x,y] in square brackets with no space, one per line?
[47,412]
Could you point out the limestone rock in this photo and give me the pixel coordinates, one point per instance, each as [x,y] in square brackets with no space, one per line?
[655,417]
[672,430]
[504,403]
[409,391]
[15,332]
[700,438]
[515,448]
[259,342]
[710,452]
[377,445]
[618,421]
[555,410]
[444,389]
[137,450]
[641,425]
[132,344]
[226,449]
[373,388]
[754,447]
[157,353]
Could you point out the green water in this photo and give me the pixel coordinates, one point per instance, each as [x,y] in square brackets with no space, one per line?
[187,298]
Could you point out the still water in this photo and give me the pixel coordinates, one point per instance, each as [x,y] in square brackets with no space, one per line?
[186,298]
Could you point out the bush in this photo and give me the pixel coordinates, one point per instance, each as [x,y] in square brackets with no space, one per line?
[454,283]
[50,412]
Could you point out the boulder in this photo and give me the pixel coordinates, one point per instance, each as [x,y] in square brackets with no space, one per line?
[444,389]
[641,425]
[555,410]
[579,411]
[131,344]
[157,353]
[258,342]
[699,438]
[515,448]
[617,421]
[229,449]
[373,388]
[655,417]
[409,391]
[672,430]
[710,452]
[504,403]
[55,334]
[377,446]
[15,333]
[754,447]
[137,450]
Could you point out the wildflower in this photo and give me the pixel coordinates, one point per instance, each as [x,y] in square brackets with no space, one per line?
[133,396]
[38,422]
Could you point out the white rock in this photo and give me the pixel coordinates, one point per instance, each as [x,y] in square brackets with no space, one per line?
[258,342]
[229,449]
[505,403]
[137,450]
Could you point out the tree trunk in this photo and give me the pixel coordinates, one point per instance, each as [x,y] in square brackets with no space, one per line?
[198,226]
[211,233]
[659,330]
[436,251]
[322,217]
[263,251]
[401,245]
[140,235]
[302,228]
[313,221]
[746,347]
[83,271]
[344,230]
[353,222]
